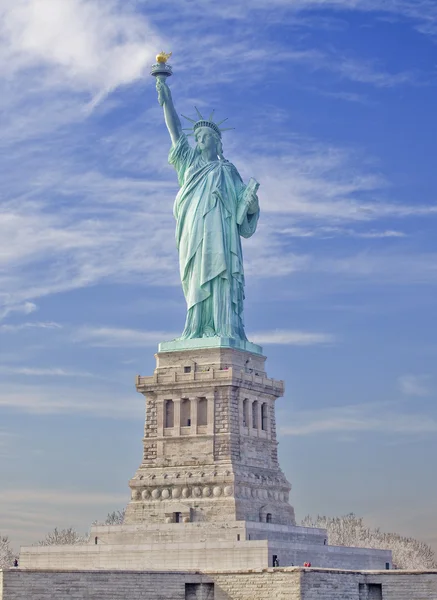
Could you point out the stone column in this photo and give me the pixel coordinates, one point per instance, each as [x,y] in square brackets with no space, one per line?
[259,422]
[177,416]
[160,416]
[194,402]
[210,413]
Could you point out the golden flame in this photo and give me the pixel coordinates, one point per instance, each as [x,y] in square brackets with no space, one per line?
[162,57]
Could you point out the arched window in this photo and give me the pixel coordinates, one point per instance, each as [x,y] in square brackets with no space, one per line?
[245,412]
[264,416]
[202,411]
[268,517]
[168,413]
[185,412]
[255,415]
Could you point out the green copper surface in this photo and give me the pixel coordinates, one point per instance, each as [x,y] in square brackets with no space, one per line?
[213,210]
[209,342]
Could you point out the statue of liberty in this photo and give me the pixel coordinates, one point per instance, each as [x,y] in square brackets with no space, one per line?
[212,210]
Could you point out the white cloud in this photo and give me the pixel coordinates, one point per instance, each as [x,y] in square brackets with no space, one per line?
[307,179]
[114,337]
[331,232]
[421,13]
[377,418]
[58,497]
[117,337]
[50,399]
[292,338]
[30,325]
[415,385]
[25,308]
[88,46]
[44,372]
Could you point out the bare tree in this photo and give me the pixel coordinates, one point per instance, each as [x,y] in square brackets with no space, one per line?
[6,553]
[114,518]
[60,537]
[350,530]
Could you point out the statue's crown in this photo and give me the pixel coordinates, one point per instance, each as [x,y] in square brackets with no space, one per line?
[202,122]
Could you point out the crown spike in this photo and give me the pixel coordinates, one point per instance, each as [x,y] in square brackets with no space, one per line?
[198,112]
[227,129]
[188,118]
[211,115]
[222,121]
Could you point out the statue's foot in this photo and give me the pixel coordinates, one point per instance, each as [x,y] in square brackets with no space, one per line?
[208,332]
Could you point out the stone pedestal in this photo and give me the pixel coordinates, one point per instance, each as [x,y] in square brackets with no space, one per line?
[209,492]
[210,448]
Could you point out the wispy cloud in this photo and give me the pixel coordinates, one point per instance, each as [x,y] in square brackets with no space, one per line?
[307,179]
[382,418]
[24,308]
[331,232]
[114,337]
[292,338]
[92,47]
[44,372]
[51,399]
[422,14]
[415,385]
[59,497]
[118,337]
[30,325]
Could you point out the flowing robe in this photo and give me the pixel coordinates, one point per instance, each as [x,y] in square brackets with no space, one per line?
[208,242]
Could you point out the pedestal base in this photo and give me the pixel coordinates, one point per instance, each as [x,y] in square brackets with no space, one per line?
[210,342]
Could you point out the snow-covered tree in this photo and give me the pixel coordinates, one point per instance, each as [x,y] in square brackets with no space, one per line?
[6,553]
[350,530]
[59,537]
[114,518]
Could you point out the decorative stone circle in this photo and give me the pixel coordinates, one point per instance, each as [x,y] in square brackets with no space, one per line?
[197,492]
[136,495]
[217,491]
[185,493]
[229,490]
[176,493]
[165,494]
[156,493]
[206,492]
[145,494]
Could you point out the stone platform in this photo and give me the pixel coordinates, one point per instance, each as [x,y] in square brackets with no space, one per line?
[291,583]
[184,546]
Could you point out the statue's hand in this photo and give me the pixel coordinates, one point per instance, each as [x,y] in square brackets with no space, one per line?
[163,91]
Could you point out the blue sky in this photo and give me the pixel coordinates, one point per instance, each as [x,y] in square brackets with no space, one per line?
[333,104]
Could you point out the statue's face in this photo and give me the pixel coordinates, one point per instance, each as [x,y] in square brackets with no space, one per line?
[206,140]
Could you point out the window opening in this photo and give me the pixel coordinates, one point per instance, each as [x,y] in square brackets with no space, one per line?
[264,416]
[169,413]
[245,412]
[255,415]
[185,412]
[202,411]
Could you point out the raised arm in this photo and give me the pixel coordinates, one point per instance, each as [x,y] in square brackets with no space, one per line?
[170,115]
